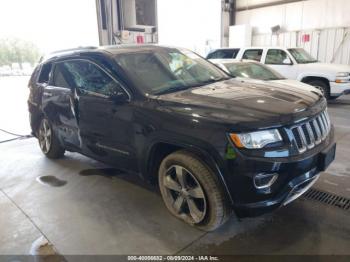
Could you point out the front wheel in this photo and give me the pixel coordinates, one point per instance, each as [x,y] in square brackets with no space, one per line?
[48,142]
[191,191]
[322,86]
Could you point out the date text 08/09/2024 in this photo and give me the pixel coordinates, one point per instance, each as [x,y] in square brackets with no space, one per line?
[173,258]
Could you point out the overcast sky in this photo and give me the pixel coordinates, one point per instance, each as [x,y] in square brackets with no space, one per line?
[50,24]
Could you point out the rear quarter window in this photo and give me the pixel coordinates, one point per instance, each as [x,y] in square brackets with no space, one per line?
[45,73]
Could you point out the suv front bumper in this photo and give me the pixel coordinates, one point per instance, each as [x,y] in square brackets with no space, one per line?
[338,89]
[299,176]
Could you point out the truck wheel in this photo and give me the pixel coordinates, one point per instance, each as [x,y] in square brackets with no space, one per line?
[322,86]
[48,141]
[191,191]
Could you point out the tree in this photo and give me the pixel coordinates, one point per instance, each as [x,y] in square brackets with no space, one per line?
[14,50]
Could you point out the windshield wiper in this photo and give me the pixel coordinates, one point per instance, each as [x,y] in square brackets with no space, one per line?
[180,88]
[172,89]
[213,80]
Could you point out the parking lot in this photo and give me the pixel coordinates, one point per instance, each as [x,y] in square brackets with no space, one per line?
[81,206]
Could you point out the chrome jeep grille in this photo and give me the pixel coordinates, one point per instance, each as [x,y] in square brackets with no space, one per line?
[309,134]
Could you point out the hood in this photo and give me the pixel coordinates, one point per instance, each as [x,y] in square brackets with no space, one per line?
[290,83]
[326,68]
[284,83]
[244,103]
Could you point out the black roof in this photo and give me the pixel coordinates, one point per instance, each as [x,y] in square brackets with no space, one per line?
[111,49]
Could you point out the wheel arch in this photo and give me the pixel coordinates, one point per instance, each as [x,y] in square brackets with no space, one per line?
[35,120]
[308,79]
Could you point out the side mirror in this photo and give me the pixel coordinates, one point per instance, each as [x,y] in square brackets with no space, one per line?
[287,61]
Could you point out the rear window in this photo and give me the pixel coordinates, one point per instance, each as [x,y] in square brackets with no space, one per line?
[253,70]
[223,54]
[60,77]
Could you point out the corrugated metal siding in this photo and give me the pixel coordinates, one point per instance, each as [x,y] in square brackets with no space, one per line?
[327,45]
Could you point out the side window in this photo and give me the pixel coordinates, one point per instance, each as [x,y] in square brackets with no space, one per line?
[235,53]
[213,55]
[276,57]
[253,54]
[223,53]
[45,73]
[61,78]
[89,77]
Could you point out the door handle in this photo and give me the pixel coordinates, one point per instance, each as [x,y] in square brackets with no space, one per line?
[47,94]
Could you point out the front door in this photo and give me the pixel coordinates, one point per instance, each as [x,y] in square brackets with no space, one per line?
[104,113]
[280,61]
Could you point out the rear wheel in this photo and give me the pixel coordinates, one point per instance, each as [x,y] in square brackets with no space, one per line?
[48,142]
[322,86]
[191,191]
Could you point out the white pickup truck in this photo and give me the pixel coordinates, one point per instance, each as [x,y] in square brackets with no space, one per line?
[294,63]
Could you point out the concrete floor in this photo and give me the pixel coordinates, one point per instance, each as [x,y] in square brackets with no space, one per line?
[81,206]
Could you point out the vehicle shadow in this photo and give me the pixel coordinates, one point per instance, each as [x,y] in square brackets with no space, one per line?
[108,172]
[292,230]
[282,232]
[338,103]
[115,173]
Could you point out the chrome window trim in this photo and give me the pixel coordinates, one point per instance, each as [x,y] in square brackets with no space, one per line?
[105,71]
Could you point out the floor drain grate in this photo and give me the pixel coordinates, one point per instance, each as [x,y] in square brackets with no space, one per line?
[328,198]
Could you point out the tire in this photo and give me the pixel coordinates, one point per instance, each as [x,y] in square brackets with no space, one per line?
[185,181]
[48,142]
[323,86]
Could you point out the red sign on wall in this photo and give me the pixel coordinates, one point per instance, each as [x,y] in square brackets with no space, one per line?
[139,39]
[305,38]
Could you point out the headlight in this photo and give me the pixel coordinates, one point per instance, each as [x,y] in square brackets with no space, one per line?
[256,140]
[343,74]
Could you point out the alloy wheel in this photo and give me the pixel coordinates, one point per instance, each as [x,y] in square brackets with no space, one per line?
[321,89]
[184,194]
[45,136]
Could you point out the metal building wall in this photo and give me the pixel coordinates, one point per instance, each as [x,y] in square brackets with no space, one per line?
[327,45]
[326,21]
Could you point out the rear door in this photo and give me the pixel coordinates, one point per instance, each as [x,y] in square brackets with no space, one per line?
[57,104]
[64,107]
[253,54]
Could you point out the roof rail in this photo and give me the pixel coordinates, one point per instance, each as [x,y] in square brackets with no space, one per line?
[74,49]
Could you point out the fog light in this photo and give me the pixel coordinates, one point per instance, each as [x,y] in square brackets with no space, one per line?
[264,180]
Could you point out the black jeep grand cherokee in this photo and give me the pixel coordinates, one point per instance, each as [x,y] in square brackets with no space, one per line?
[214,144]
